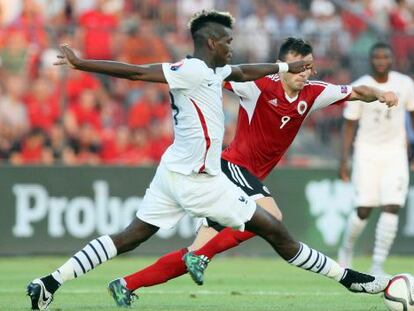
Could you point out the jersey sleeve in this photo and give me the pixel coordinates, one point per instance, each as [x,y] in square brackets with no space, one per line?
[224,72]
[352,110]
[185,74]
[331,94]
[247,90]
[248,93]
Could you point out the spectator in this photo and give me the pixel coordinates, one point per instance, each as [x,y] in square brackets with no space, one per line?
[401,17]
[97,32]
[43,105]
[86,145]
[32,150]
[13,114]
[84,112]
[150,107]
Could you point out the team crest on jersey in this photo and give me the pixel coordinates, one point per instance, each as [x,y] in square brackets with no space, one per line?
[344,89]
[176,66]
[273,102]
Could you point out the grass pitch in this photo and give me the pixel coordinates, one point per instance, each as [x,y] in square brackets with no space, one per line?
[232,284]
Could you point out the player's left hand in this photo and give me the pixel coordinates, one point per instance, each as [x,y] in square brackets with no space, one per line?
[67,57]
[389,98]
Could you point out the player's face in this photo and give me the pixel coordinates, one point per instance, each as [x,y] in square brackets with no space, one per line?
[381,61]
[223,50]
[296,81]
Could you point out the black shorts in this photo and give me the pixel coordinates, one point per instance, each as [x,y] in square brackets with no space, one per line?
[242,178]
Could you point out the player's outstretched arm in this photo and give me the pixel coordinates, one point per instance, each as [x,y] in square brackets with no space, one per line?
[251,72]
[148,72]
[370,94]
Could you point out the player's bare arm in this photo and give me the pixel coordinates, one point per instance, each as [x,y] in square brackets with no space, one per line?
[251,72]
[370,94]
[147,72]
[349,129]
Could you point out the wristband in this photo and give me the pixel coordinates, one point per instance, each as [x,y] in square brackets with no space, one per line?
[283,67]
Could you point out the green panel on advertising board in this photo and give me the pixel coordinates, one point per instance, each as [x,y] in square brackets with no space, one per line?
[55,210]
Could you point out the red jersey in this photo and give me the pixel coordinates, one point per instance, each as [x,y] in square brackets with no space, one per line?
[269,119]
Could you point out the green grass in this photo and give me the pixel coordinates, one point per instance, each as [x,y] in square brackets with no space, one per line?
[255,284]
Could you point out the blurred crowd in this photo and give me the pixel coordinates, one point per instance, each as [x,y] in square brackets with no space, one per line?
[55,115]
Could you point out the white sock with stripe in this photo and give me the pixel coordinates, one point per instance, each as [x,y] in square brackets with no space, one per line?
[385,233]
[353,230]
[96,252]
[312,260]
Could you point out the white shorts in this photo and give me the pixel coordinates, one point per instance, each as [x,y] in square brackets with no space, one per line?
[380,178]
[171,195]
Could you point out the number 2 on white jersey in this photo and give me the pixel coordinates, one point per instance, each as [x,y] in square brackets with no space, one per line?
[285,119]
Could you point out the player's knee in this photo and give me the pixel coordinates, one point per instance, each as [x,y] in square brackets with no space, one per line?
[364,212]
[392,209]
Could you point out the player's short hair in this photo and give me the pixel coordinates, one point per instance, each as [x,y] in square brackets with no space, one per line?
[379,45]
[204,18]
[295,46]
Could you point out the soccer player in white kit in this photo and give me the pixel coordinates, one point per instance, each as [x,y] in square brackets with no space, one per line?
[380,165]
[189,178]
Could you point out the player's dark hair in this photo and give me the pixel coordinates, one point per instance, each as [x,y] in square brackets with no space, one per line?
[295,46]
[379,45]
[205,18]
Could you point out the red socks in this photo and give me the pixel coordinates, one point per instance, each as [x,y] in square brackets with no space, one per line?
[171,265]
[165,268]
[224,240]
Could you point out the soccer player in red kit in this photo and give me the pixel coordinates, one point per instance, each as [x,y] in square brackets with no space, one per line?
[272,111]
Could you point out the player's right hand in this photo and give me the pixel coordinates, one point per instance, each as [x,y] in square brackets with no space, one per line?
[344,172]
[67,57]
[389,98]
[300,66]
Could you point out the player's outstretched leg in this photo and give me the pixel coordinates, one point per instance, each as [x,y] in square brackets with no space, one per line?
[385,233]
[165,268]
[96,252]
[302,256]
[354,227]
[197,261]
[120,293]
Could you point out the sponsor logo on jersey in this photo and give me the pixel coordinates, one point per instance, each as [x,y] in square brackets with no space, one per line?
[273,102]
[344,89]
[176,66]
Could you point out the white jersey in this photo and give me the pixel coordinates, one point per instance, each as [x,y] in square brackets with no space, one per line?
[196,99]
[380,126]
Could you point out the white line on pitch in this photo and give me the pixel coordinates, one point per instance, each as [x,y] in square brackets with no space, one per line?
[200,292]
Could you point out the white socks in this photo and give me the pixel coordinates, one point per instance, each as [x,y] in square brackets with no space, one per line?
[354,228]
[310,259]
[96,252]
[385,233]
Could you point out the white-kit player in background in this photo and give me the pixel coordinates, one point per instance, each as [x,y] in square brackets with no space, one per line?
[380,173]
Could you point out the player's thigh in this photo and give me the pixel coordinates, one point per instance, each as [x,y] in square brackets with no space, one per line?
[159,207]
[395,180]
[204,234]
[270,205]
[250,184]
[216,198]
[366,179]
